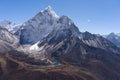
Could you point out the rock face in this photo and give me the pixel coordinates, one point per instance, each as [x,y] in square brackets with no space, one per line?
[6,36]
[99,42]
[66,47]
[56,38]
[114,38]
[39,26]
[5,47]
[8,41]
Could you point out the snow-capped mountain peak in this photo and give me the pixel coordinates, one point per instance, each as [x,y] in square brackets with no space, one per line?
[112,35]
[49,10]
[114,38]
[4,23]
[11,27]
[47,13]
[42,24]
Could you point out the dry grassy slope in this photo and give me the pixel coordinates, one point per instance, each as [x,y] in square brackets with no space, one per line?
[16,70]
[104,64]
[3,65]
[98,68]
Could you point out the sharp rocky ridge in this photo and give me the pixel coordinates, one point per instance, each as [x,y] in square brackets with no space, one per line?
[8,41]
[114,38]
[48,27]
[42,24]
[46,33]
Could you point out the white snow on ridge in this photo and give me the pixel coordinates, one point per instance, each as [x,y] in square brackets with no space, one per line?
[11,27]
[50,11]
[4,23]
[34,47]
[114,38]
[40,25]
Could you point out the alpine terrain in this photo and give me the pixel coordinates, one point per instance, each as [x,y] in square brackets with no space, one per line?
[51,47]
[115,38]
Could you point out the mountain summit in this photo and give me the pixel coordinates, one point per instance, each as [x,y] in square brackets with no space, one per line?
[49,10]
[41,25]
[114,38]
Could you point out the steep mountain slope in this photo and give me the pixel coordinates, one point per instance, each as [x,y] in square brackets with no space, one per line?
[7,36]
[47,23]
[99,42]
[16,70]
[114,38]
[4,46]
[41,25]
[38,27]
[78,61]
[8,41]
[74,51]
[95,65]
[56,37]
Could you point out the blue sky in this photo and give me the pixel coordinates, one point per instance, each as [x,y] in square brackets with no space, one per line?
[95,16]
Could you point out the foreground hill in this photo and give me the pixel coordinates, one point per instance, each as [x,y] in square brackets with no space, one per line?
[94,69]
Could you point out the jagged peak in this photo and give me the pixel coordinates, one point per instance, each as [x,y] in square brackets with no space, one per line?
[4,23]
[112,34]
[49,10]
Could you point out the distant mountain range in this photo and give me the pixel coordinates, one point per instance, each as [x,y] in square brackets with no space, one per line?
[114,38]
[51,47]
